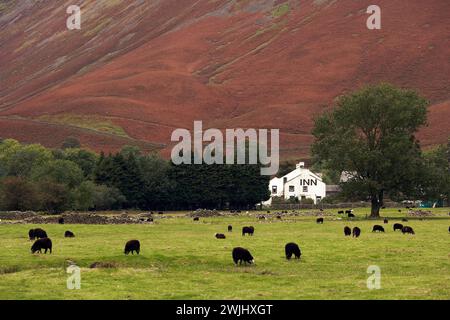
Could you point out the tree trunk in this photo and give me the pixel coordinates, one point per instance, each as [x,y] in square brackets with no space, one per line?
[377,203]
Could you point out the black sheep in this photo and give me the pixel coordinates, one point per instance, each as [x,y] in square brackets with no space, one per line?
[398,226]
[242,255]
[61,220]
[348,211]
[347,231]
[69,234]
[341,212]
[248,230]
[377,228]
[448,229]
[407,229]
[31,235]
[131,246]
[351,215]
[230,228]
[386,221]
[37,233]
[43,243]
[292,249]
[319,220]
[279,217]
[196,219]
[356,232]
[220,236]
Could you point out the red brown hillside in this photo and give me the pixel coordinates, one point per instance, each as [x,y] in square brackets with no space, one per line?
[138,69]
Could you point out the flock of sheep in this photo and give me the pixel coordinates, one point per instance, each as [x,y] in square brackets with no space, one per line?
[239,255]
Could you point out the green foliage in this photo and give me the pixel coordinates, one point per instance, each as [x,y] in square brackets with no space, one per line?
[19,160]
[307,201]
[18,194]
[55,197]
[59,171]
[437,173]
[77,179]
[85,159]
[370,134]
[108,198]
[84,196]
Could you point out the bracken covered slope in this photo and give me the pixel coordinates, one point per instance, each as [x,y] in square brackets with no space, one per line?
[139,69]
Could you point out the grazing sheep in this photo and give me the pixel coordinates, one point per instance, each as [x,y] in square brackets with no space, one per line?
[356,232]
[149,219]
[69,234]
[398,226]
[319,220]
[377,228]
[449,229]
[37,234]
[61,220]
[230,228]
[196,219]
[248,230]
[242,255]
[386,221]
[348,211]
[268,211]
[399,210]
[351,215]
[407,229]
[341,212]
[160,212]
[292,249]
[220,236]
[279,217]
[40,233]
[43,243]
[131,246]
[262,218]
[347,231]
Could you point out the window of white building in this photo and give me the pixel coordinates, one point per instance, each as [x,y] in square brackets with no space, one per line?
[291,188]
[305,188]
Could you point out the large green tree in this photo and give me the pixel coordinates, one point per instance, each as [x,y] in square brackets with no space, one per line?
[16,193]
[370,134]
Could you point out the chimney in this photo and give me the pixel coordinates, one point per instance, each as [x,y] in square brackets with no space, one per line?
[301,165]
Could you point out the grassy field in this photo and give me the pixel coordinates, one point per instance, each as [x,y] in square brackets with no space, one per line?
[181,259]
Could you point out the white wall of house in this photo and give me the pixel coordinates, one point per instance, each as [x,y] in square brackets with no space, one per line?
[301,183]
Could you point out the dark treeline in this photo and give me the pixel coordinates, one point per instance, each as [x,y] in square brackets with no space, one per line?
[33,177]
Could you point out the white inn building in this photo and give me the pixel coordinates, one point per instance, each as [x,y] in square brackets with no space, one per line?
[300,183]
